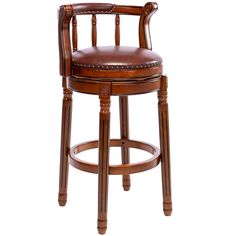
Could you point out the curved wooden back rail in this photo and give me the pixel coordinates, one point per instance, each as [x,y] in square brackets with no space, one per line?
[67,12]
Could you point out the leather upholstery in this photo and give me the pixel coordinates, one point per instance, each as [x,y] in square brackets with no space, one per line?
[116,62]
[88,8]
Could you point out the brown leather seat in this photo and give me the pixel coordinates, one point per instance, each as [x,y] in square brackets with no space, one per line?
[116,62]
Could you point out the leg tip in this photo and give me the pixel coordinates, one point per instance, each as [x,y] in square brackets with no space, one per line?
[102,231]
[62,202]
[167,208]
[126,183]
[126,187]
[62,199]
[167,212]
[102,226]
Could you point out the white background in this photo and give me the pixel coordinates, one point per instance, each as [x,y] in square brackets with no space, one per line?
[197,42]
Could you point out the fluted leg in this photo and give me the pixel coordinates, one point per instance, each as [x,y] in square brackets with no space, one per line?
[103,169]
[164,146]
[65,143]
[124,132]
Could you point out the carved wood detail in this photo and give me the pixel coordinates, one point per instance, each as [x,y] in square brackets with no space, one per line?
[117,30]
[165,148]
[144,32]
[65,14]
[104,146]
[104,95]
[124,133]
[65,143]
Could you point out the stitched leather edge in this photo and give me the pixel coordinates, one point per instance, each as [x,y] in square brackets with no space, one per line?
[115,67]
[85,12]
[92,12]
[93,8]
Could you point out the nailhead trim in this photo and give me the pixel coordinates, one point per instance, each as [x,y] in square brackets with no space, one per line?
[115,67]
[92,12]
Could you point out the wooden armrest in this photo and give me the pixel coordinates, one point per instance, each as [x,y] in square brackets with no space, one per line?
[65,14]
[144,31]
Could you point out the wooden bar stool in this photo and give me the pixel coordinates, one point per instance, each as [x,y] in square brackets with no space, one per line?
[111,71]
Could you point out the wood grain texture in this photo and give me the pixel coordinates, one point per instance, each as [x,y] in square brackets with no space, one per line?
[127,10]
[165,147]
[124,133]
[123,169]
[65,143]
[103,165]
[144,30]
[65,14]
[126,87]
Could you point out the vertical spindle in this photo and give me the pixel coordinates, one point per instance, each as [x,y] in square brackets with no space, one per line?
[74,33]
[94,30]
[117,30]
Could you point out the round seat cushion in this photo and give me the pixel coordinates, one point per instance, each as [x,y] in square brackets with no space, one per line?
[116,62]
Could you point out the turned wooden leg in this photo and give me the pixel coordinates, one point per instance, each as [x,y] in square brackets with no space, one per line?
[164,146]
[103,169]
[124,133]
[65,143]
